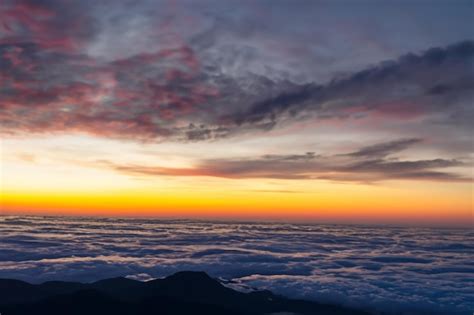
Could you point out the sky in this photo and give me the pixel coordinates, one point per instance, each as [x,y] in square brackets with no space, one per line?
[355,111]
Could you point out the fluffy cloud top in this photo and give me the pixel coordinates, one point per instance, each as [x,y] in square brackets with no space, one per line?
[414,271]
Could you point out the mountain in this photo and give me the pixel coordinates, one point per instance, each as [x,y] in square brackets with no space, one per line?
[183,293]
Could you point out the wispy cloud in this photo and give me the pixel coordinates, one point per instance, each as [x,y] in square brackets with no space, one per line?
[368,164]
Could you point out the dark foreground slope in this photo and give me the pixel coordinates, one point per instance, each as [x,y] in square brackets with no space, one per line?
[181,293]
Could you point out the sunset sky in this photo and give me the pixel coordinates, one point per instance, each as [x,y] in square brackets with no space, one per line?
[351,111]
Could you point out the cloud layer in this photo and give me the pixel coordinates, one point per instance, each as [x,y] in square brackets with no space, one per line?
[156,72]
[410,270]
[57,76]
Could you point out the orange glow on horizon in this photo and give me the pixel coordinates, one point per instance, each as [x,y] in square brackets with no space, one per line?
[56,182]
[359,206]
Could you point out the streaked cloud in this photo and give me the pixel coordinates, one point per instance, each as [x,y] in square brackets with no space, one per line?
[368,164]
[439,81]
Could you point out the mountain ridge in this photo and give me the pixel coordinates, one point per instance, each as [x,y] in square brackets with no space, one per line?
[185,292]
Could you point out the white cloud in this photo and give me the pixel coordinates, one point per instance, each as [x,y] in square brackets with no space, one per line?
[414,271]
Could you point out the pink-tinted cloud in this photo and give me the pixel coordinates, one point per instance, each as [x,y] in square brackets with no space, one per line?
[190,87]
[52,25]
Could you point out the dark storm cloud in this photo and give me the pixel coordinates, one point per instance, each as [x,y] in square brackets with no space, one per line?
[368,164]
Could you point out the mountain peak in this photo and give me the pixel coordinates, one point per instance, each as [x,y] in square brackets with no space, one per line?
[191,276]
[187,282]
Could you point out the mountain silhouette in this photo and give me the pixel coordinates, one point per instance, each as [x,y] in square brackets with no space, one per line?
[183,293]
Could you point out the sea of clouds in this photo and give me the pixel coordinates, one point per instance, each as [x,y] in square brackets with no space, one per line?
[399,270]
